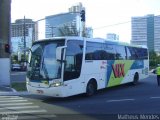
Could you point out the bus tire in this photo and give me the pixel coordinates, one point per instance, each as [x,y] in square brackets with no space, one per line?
[91,88]
[135,79]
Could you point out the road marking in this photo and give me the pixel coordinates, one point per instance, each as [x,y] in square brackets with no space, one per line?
[19,107]
[10,96]
[10,101]
[24,112]
[25,117]
[15,104]
[14,98]
[158,97]
[120,100]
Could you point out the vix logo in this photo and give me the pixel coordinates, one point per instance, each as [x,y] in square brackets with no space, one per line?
[118,70]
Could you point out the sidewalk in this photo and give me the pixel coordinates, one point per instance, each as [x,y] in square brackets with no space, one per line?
[10,91]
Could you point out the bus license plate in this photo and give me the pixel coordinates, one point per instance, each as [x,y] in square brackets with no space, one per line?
[40,91]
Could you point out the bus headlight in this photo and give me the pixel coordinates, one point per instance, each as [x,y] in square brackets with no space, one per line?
[56,84]
[27,81]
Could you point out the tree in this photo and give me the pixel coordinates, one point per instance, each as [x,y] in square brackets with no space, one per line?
[154,59]
[14,58]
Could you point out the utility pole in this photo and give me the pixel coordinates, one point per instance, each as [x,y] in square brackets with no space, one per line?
[5,8]
[5,23]
[24,34]
[52,30]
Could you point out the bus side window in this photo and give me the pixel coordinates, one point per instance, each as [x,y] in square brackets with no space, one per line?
[142,53]
[129,56]
[120,52]
[134,55]
[145,53]
[110,52]
[89,53]
[73,62]
[93,51]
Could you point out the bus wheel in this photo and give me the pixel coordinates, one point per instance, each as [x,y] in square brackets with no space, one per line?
[136,78]
[91,88]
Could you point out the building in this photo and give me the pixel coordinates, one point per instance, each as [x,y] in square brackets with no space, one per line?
[145,31]
[76,8]
[18,42]
[63,24]
[113,36]
[157,34]
[19,39]
[89,32]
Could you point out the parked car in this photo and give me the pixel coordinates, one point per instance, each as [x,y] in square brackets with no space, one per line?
[153,71]
[23,68]
[16,67]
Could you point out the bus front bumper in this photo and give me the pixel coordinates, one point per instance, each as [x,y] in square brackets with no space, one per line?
[47,91]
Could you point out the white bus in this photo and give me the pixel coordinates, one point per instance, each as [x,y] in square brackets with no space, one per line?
[66,66]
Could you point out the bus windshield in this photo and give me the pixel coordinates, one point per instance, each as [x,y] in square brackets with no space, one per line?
[43,64]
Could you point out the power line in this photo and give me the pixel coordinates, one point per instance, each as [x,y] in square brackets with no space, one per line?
[111,25]
[116,24]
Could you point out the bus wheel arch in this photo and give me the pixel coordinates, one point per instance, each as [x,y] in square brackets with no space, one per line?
[135,78]
[91,87]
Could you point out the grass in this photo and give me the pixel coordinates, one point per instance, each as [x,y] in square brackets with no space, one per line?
[19,86]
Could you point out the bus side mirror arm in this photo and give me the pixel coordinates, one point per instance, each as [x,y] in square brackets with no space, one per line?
[59,52]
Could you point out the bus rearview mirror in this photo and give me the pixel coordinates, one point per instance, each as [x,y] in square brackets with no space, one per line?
[59,52]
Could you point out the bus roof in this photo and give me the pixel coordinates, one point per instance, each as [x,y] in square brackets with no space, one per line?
[114,42]
[101,40]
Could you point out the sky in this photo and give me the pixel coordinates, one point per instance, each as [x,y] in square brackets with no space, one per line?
[104,16]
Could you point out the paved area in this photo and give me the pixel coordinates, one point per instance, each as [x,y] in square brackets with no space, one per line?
[20,108]
[6,89]
[10,91]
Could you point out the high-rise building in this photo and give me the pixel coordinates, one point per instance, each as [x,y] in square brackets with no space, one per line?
[76,8]
[145,31]
[157,34]
[63,24]
[113,36]
[17,34]
[89,32]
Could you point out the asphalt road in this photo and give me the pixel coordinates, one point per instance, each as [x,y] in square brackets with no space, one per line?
[123,102]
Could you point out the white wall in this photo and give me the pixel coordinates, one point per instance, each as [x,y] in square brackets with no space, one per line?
[4,71]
